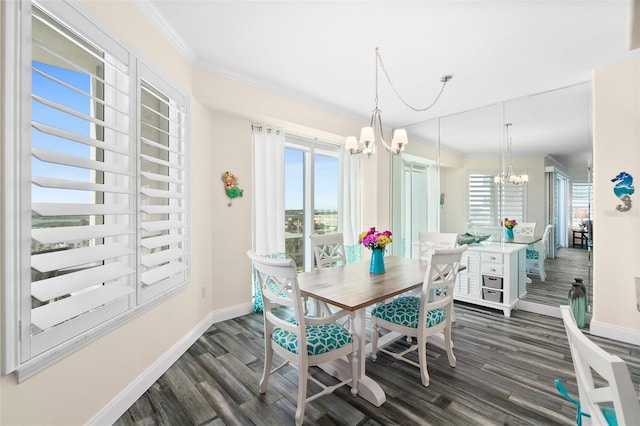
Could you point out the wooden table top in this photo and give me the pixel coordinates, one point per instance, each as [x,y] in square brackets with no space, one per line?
[352,287]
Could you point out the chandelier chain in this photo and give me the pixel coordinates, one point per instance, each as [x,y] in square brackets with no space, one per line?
[444,79]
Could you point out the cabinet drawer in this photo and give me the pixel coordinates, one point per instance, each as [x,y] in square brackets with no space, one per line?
[491,257]
[491,269]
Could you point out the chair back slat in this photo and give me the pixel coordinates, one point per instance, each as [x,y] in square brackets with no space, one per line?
[525,229]
[328,249]
[440,275]
[618,390]
[429,241]
[278,279]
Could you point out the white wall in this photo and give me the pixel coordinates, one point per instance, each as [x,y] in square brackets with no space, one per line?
[616,243]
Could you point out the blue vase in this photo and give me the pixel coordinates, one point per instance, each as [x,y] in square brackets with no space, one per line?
[508,232]
[377,261]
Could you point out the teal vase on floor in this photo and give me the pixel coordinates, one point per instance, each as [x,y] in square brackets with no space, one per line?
[577,299]
[377,261]
[508,233]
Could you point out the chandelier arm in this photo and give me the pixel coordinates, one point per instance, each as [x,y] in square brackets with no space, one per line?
[381,132]
[444,79]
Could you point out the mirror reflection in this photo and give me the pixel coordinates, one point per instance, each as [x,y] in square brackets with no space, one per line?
[475,195]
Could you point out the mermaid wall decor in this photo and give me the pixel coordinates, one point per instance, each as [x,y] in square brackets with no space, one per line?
[231,186]
[623,189]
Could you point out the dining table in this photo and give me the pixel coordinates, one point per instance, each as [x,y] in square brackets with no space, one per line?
[352,287]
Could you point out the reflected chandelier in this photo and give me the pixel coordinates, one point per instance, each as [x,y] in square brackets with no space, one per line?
[510,176]
[398,136]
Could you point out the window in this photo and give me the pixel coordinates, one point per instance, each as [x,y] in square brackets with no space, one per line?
[311,195]
[581,196]
[103,174]
[485,207]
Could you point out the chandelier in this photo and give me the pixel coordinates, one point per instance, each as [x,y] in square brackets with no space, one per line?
[510,176]
[399,138]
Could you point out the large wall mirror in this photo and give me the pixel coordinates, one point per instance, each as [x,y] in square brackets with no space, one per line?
[551,141]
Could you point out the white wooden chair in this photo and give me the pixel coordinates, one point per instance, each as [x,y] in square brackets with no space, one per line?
[328,249]
[525,229]
[323,339]
[537,255]
[422,316]
[428,241]
[617,398]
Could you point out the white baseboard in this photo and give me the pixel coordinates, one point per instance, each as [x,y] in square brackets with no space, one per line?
[121,403]
[621,334]
[538,308]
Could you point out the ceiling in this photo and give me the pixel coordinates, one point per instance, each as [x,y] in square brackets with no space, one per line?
[500,53]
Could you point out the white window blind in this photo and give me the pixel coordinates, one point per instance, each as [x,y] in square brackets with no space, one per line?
[82,255]
[163,219]
[485,196]
[102,169]
[482,200]
[513,201]
[581,195]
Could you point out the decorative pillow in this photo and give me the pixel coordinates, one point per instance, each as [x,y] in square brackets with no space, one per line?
[320,338]
[405,311]
[533,254]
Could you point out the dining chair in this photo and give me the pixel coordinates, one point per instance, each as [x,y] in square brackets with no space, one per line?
[615,402]
[322,338]
[427,242]
[535,257]
[423,316]
[328,251]
[431,240]
[526,229]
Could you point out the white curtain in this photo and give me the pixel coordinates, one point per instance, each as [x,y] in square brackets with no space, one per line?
[268,184]
[351,199]
[433,200]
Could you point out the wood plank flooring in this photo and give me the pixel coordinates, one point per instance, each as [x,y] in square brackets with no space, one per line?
[505,375]
[568,264]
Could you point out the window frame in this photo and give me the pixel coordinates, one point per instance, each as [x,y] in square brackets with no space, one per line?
[16,199]
[310,148]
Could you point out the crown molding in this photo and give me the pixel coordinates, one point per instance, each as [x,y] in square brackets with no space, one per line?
[174,38]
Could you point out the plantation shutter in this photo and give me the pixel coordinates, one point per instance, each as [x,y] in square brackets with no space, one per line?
[513,206]
[82,185]
[163,219]
[482,199]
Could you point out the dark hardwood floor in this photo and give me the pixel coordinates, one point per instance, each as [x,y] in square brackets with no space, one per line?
[505,375]
[568,264]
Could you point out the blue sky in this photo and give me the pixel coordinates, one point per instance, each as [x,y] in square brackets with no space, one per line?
[326,181]
[41,113]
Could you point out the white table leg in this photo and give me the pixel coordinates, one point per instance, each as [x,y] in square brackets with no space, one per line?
[368,388]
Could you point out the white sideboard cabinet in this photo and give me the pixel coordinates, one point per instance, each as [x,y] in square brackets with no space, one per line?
[493,277]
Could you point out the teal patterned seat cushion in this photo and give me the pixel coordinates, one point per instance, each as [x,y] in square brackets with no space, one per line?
[320,338]
[405,311]
[533,254]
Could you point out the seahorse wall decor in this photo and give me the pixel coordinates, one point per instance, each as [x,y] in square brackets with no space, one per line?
[623,189]
[231,186]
